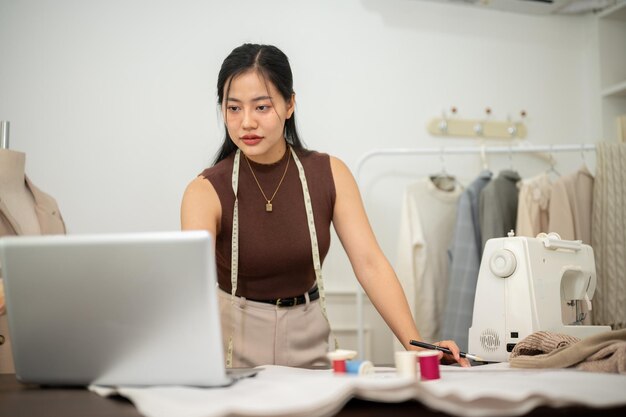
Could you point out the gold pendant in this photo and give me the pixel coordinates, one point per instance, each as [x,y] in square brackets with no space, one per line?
[268,207]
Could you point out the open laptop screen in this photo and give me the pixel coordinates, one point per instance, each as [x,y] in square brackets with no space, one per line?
[114,309]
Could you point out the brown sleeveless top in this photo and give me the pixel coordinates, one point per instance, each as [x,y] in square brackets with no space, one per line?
[275,258]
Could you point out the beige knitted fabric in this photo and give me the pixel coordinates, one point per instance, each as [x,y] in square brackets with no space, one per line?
[604,352]
[611,358]
[542,342]
[608,235]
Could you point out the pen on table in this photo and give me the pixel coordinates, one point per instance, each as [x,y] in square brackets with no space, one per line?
[445,350]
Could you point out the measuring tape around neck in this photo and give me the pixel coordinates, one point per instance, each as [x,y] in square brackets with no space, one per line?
[234,263]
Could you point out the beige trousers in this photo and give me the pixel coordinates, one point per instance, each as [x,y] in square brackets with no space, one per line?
[264,334]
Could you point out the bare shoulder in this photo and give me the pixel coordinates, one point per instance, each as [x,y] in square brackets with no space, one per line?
[339,168]
[336,163]
[341,174]
[199,186]
[201,207]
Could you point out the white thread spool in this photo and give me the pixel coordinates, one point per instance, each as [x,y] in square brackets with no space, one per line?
[406,363]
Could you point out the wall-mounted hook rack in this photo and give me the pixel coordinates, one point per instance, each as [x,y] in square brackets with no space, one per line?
[477,128]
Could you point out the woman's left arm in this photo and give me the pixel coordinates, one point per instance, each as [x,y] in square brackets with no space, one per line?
[370,265]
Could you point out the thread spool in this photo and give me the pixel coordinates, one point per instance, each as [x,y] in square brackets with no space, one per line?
[359,367]
[339,366]
[429,364]
[338,359]
[406,363]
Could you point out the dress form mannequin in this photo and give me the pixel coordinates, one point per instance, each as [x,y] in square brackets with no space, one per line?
[15,197]
[17,205]
[24,210]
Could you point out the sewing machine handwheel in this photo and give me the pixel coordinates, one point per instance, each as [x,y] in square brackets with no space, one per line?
[502,263]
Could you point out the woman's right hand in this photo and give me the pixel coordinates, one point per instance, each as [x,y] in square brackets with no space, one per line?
[456,354]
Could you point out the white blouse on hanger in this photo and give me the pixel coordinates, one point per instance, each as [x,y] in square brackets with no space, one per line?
[426,229]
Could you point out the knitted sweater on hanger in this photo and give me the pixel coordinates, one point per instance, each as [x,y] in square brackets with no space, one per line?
[608,237]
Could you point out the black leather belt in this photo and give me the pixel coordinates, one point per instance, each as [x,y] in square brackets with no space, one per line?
[314,294]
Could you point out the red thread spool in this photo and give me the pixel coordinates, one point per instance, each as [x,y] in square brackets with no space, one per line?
[429,364]
[339,366]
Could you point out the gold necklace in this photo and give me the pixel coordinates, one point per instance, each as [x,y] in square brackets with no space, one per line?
[268,205]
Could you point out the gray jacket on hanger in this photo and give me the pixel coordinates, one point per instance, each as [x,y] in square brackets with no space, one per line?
[498,206]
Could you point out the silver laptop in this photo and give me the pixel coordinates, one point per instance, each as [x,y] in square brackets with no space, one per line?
[114,309]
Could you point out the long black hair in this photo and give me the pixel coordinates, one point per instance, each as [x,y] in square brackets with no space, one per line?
[273,65]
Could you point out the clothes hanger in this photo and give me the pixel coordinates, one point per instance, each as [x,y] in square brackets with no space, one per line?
[443,180]
[582,156]
[511,166]
[552,170]
[483,157]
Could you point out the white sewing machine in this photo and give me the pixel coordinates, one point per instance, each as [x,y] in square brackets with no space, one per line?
[522,284]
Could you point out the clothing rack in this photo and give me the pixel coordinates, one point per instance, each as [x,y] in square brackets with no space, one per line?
[441,151]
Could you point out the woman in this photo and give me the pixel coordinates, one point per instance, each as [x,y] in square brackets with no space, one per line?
[270,203]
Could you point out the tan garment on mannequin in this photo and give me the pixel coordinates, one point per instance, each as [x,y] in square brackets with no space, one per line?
[45,208]
[16,199]
[24,210]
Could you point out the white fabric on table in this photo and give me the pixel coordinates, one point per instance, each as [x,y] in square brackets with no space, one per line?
[487,390]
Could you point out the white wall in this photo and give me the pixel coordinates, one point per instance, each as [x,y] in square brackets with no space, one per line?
[114,102]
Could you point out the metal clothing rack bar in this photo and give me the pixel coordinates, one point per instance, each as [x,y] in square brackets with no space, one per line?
[464,150]
[450,150]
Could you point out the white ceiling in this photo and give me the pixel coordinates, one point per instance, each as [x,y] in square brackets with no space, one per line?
[573,7]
